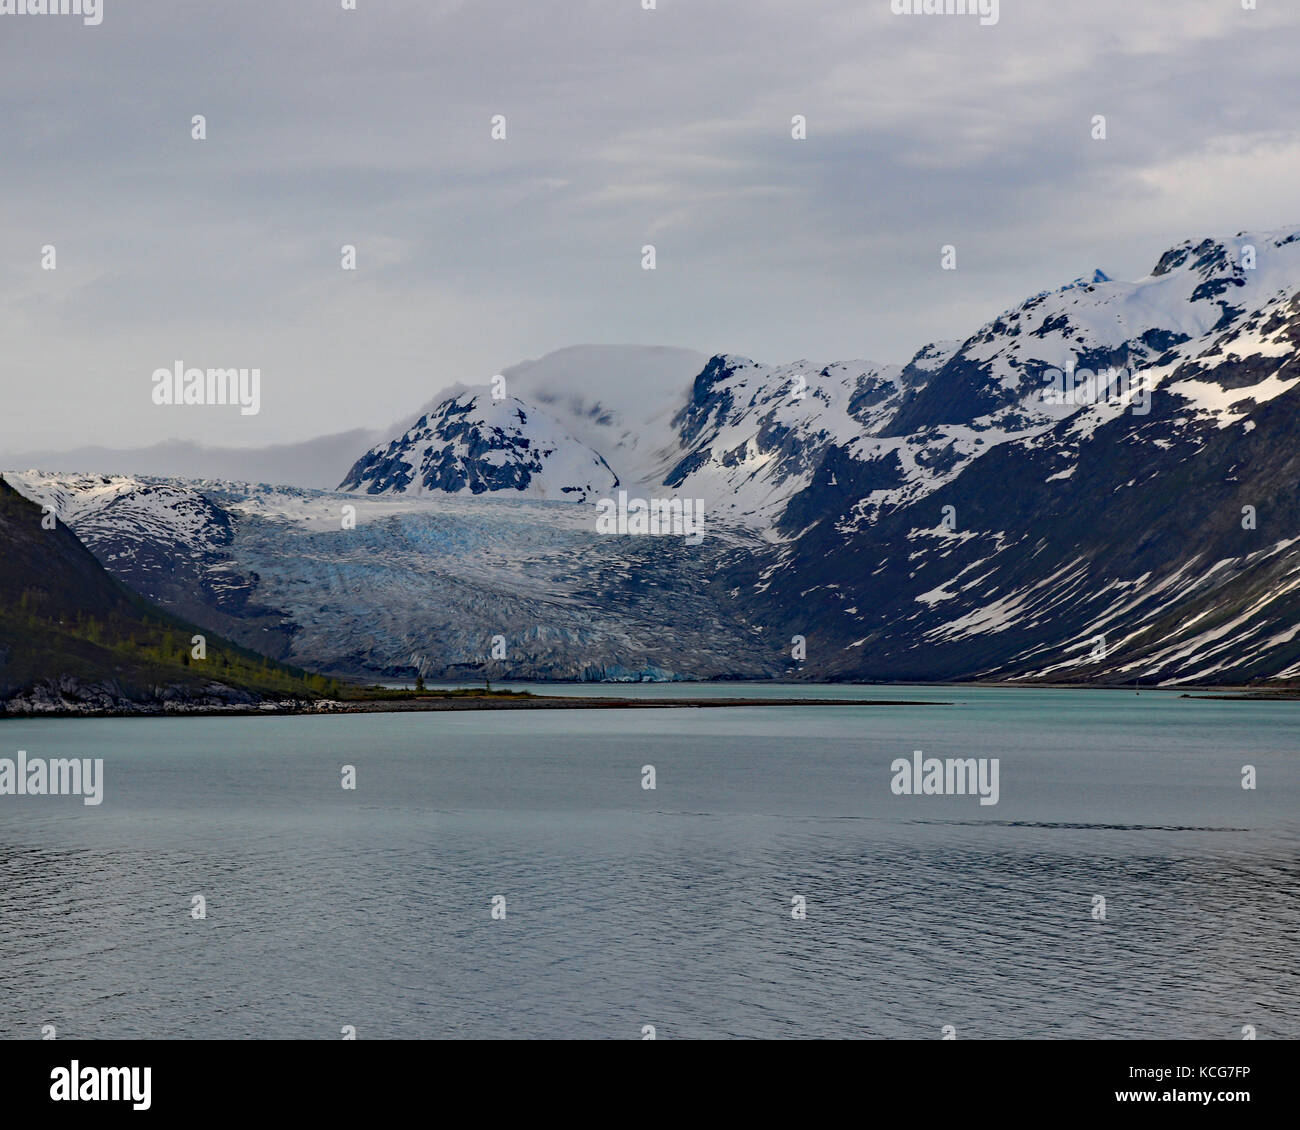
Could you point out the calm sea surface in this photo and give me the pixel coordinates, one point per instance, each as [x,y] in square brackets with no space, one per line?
[670,907]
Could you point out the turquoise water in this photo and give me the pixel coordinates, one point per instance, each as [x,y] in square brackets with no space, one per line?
[733,690]
[669,907]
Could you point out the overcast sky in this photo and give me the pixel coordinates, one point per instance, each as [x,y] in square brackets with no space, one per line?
[624,127]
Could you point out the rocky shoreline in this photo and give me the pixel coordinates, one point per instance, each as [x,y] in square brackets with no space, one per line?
[70,698]
[22,709]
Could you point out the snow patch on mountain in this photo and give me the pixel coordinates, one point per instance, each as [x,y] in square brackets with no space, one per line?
[133,510]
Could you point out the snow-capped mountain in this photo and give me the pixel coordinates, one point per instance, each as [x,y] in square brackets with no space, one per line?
[1195,289]
[602,406]
[476,443]
[749,438]
[751,435]
[971,513]
[1111,543]
[618,400]
[167,541]
[742,436]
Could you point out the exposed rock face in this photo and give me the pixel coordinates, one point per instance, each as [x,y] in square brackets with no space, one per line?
[69,695]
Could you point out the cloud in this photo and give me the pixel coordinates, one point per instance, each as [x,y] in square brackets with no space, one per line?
[672,126]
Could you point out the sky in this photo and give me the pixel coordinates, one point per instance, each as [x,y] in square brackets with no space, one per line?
[624,127]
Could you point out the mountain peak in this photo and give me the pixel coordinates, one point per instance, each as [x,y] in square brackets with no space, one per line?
[1217,256]
[477,443]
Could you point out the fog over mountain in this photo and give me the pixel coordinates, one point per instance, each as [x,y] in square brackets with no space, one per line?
[312,463]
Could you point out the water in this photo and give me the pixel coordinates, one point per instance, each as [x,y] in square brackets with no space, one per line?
[724,690]
[672,908]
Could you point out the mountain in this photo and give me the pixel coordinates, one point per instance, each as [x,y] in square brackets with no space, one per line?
[475,443]
[313,463]
[985,510]
[751,436]
[572,425]
[1111,545]
[742,436]
[616,399]
[73,638]
[419,583]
